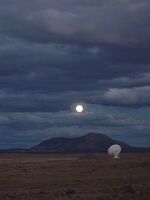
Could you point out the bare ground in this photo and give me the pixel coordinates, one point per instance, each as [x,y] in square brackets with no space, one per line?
[74,177]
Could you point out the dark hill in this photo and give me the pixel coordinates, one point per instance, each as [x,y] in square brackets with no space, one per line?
[90,143]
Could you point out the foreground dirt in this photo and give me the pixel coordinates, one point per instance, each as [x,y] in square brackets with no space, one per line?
[77,177]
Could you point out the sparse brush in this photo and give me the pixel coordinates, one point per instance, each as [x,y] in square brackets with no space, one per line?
[129,188]
[70,192]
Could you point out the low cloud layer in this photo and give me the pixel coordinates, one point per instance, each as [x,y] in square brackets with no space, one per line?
[137,97]
[33,127]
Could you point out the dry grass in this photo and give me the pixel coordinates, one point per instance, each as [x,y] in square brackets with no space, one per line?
[74,177]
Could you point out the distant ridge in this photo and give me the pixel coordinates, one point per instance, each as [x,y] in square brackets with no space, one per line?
[90,143]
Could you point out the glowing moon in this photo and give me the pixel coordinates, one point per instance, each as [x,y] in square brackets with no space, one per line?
[79,108]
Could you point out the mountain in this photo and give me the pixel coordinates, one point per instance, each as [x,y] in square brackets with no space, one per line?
[90,143]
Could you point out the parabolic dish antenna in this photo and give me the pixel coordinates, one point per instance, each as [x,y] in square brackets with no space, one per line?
[114,150]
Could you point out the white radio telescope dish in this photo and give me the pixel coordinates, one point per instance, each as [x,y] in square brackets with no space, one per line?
[114,150]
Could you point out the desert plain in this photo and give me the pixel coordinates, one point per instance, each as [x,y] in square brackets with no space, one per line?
[74,177]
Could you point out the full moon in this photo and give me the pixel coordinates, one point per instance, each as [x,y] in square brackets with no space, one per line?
[79,108]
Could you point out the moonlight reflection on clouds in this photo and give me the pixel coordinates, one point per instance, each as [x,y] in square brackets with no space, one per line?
[61,54]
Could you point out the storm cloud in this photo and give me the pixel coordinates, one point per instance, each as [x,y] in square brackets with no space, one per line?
[54,54]
[112,22]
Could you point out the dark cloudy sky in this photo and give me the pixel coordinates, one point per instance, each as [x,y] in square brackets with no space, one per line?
[54,54]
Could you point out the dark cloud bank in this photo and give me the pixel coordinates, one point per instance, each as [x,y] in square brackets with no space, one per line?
[54,54]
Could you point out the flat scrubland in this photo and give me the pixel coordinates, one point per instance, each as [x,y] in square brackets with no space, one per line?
[78,177]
